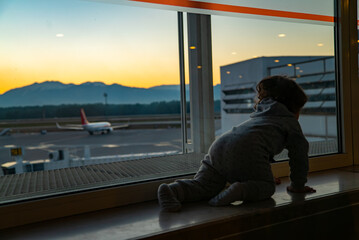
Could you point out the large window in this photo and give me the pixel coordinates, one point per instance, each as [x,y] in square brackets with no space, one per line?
[124,64]
[247,50]
[68,70]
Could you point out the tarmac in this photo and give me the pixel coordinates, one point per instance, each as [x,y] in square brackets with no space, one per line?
[36,146]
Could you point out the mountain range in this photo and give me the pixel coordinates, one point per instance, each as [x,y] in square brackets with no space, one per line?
[57,93]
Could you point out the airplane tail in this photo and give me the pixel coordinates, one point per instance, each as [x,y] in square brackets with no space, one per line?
[5,131]
[83,117]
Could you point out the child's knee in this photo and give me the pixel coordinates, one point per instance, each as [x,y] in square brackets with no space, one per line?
[258,190]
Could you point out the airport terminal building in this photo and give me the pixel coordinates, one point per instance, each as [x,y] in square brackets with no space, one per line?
[315,74]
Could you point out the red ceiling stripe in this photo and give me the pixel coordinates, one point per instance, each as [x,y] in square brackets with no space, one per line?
[240,9]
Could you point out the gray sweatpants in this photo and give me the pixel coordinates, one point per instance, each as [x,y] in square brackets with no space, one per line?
[208,183]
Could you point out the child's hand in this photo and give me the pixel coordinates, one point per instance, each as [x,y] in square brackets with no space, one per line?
[305,189]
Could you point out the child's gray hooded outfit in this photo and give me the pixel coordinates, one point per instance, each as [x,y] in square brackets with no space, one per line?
[242,157]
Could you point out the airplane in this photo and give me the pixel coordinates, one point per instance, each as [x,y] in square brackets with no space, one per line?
[5,131]
[103,127]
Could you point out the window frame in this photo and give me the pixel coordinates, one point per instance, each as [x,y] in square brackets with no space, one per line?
[346,52]
[354,83]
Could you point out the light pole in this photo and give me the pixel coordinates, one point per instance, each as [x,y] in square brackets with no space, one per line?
[105,95]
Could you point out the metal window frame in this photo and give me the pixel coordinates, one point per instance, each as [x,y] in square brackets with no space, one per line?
[352,15]
[201,81]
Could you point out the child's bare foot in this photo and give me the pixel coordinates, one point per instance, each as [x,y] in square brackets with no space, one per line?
[305,189]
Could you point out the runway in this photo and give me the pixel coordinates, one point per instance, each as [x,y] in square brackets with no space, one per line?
[119,142]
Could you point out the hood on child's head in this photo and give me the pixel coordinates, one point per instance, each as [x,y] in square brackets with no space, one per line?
[270,107]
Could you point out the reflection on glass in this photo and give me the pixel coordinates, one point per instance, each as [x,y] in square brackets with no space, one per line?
[307,57]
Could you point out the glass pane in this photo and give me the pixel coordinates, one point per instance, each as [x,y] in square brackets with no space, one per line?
[117,63]
[247,50]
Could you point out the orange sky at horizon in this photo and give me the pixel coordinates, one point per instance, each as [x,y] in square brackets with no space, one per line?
[126,76]
[131,46]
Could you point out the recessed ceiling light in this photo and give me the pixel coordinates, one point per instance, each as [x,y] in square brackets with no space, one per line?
[281,35]
[320,44]
[60,35]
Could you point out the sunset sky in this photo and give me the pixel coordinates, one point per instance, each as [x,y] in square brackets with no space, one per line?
[78,41]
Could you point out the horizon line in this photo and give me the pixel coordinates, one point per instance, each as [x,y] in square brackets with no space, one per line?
[78,84]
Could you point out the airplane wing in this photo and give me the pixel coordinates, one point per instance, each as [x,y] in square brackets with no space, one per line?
[73,127]
[120,126]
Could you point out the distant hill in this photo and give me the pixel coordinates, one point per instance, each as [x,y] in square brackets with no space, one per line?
[56,93]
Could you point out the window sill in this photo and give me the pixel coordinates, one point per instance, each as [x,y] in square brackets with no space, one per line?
[336,189]
[62,204]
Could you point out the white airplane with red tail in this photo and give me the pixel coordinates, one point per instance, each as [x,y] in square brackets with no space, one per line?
[103,127]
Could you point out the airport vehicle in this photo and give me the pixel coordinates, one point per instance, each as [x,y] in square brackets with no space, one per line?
[102,127]
[5,131]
